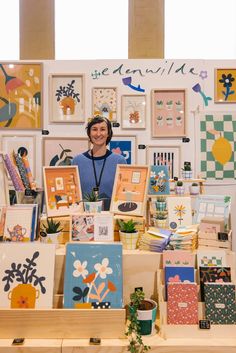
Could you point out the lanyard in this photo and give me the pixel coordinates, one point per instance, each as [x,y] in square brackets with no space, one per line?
[98,181]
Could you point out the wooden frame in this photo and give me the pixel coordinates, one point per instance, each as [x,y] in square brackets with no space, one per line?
[130,190]
[165,155]
[104,102]
[61,150]
[168,117]
[4,195]
[125,145]
[66,97]
[21,92]
[62,190]
[27,143]
[133,111]
[225,86]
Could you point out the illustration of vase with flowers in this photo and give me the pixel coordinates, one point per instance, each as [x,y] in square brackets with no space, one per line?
[25,293]
[93,294]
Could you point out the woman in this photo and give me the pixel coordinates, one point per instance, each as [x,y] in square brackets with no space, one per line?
[97,166]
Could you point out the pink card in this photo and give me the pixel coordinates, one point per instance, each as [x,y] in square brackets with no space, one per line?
[178,258]
[182,305]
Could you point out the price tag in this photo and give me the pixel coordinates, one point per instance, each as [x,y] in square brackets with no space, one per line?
[204,324]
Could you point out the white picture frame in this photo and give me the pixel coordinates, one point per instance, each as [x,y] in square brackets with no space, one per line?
[133,111]
[124,145]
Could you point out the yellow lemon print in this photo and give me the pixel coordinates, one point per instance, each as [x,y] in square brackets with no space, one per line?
[222,150]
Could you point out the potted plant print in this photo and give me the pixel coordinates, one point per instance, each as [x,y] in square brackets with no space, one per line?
[93,294]
[141,321]
[128,234]
[24,294]
[194,189]
[179,188]
[92,202]
[51,231]
[159,104]
[67,98]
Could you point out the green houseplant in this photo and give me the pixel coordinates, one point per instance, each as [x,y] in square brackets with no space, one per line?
[51,231]
[138,326]
[160,219]
[179,188]
[194,189]
[128,233]
[187,171]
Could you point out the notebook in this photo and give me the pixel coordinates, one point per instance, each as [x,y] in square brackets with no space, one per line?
[213,274]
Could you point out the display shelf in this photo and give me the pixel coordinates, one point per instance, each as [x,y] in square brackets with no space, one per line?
[31,346]
[62,323]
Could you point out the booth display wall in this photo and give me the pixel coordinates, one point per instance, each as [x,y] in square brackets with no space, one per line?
[141,77]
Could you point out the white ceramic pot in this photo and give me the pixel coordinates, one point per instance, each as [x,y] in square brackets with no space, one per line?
[187,174]
[160,223]
[52,238]
[129,240]
[147,318]
[194,190]
[93,207]
[179,190]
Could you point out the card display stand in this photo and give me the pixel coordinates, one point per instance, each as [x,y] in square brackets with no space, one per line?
[140,268]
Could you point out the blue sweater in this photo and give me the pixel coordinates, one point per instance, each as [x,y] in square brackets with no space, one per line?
[86,173]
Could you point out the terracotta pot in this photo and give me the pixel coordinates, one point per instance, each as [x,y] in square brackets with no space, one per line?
[23,296]
[83,305]
[67,105]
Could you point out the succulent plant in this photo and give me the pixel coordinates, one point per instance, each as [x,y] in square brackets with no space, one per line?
[52,227]
[127,226]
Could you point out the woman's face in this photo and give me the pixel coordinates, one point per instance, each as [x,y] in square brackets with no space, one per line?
[99,134]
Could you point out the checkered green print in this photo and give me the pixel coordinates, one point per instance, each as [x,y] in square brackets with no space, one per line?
[226,125]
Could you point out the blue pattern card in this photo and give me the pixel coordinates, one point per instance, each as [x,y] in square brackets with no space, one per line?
[93,276]
[159,180]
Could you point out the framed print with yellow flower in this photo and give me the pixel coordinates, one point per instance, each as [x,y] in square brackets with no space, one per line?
[20,95]
[179,211]
[225,85]
[66,93]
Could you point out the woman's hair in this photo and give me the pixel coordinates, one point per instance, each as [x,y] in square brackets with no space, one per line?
[97,120]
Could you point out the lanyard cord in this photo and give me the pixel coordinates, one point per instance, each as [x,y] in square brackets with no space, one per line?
[98,181]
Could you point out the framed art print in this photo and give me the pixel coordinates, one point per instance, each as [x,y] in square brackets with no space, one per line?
[18,224]
[66,98]
[21,95]
[124,145]
[93,276]
[104,101]
[62,190]
[165,155]
[133,111]
[61,150]
[24,145]
[168,113]
[225,85]
[130,190]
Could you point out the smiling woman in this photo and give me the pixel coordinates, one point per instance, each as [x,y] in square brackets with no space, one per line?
[99,160]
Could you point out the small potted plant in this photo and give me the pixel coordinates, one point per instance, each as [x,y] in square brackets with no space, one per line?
[159,104]
[179,188]
[51,231]
[187,171]
[179,105]
[194,189]
[160,219]
[161,203]
[169,104]
[141,321]
[128,234]
[92,202]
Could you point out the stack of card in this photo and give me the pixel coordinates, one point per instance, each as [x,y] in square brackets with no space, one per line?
[155,239]
[184,239]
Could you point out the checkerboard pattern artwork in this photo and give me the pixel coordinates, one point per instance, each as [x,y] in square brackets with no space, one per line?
[225,123]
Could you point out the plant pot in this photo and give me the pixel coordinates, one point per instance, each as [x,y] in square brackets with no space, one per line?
[194,190]
[67,105]
[83,305]
[160,223]
[51,238]
[23,296]
[93,207]
[129,240]
[187,174]
[179,190]
[147,317]
[160,205]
